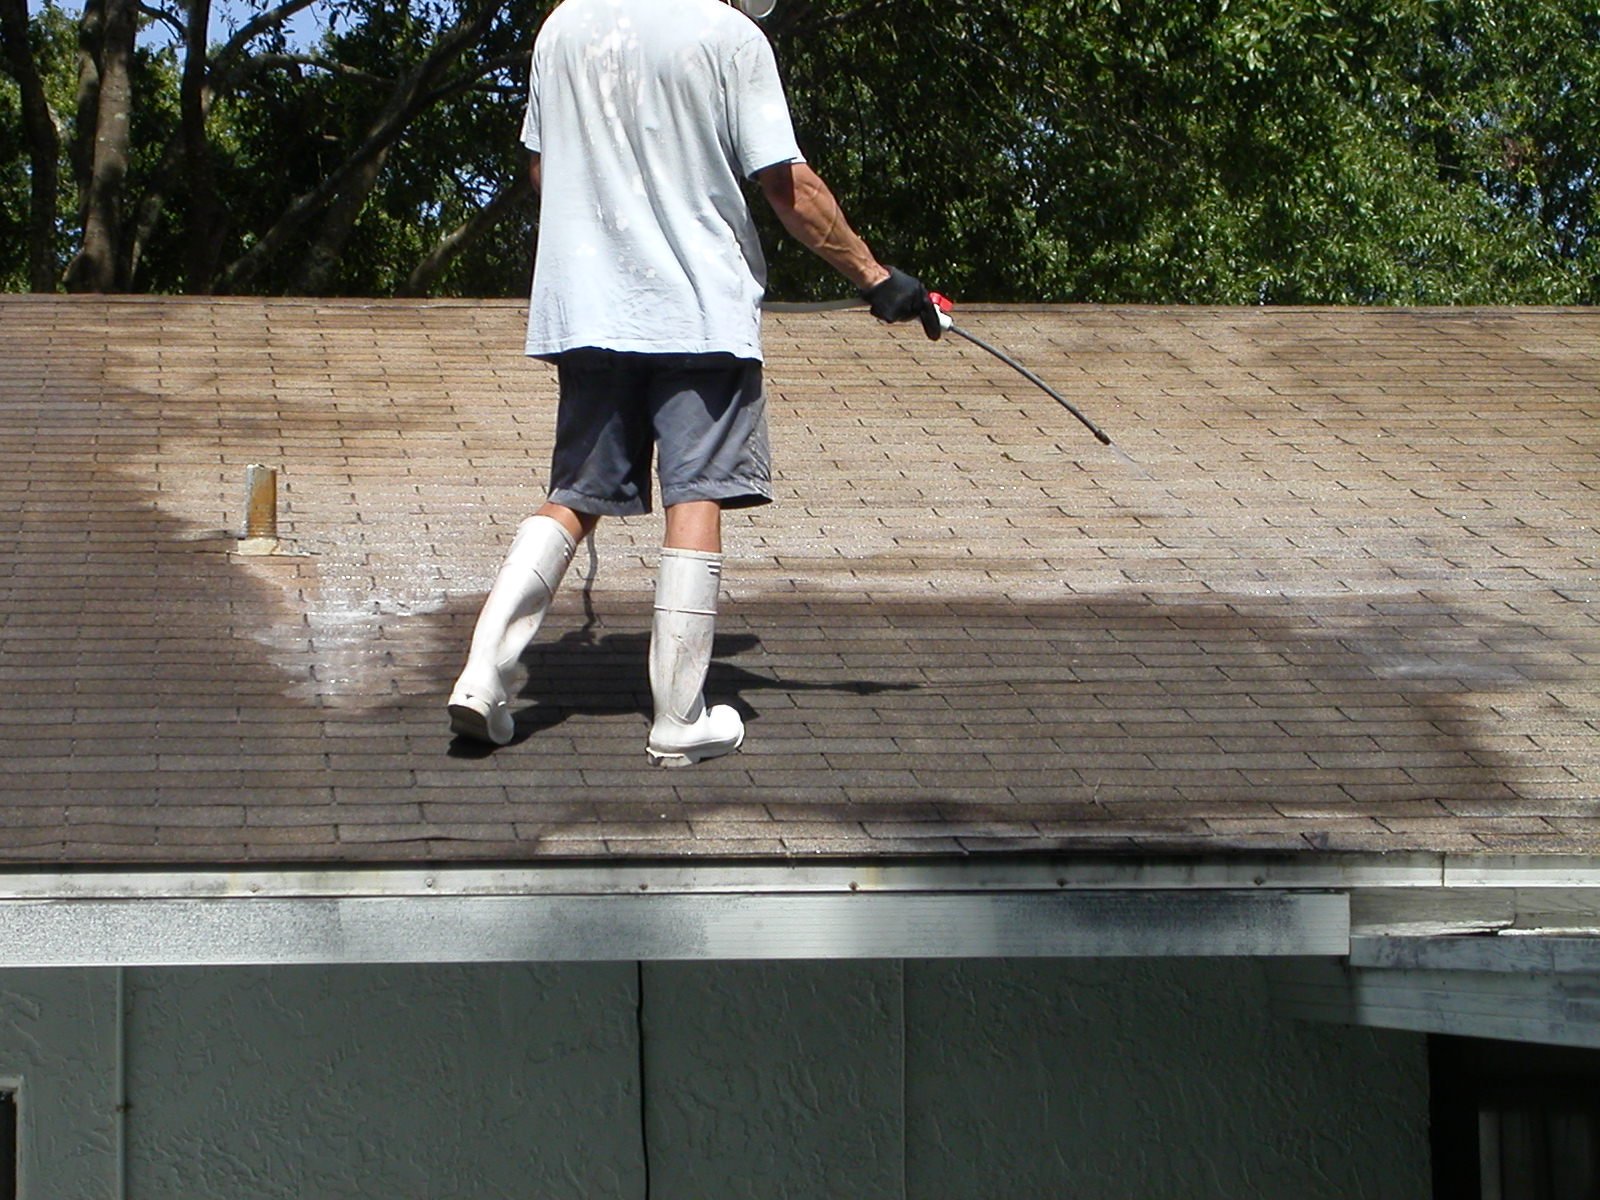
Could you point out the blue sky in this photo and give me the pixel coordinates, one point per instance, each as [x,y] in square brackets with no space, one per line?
[304,27]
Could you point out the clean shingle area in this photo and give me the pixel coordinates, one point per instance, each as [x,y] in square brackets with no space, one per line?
[1343,597]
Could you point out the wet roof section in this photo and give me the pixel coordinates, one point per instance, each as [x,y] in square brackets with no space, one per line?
[1342,598]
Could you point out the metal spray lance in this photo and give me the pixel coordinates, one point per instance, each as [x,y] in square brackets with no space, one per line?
[936,320]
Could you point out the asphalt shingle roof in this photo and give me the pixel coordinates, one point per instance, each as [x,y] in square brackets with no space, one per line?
[1342,598]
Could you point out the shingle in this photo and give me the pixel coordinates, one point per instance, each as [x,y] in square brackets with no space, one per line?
[1343,598]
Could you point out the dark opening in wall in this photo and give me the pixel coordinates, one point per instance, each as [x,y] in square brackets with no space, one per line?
[8,1145]
[1514,1121]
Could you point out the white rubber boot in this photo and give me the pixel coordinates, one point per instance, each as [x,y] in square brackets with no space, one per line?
[521,595]
[685,731]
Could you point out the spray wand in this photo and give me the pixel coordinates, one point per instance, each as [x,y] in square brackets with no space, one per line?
[936,321]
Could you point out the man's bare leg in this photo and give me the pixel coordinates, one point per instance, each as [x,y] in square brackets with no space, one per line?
[578,525]
[694,525]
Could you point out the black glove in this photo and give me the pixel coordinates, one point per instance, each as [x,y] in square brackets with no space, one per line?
[898,298]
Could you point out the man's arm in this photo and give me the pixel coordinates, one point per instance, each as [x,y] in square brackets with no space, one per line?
[810,213]
[535,174]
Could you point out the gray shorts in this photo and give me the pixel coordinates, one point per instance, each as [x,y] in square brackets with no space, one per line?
[705,415]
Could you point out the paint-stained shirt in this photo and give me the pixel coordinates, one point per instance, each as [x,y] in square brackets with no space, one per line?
[645,115]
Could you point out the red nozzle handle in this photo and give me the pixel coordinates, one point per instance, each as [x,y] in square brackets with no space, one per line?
[936,317]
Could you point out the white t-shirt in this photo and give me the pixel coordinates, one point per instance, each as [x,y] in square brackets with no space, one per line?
[645,113]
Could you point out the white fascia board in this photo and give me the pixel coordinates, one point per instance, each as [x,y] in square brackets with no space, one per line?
[1522,870]
[463,929]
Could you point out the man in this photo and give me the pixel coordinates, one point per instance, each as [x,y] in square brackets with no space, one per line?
[644,117]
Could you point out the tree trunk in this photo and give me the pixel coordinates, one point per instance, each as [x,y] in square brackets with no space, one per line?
[201,242]
[44,146]
[91,34]
[98,266]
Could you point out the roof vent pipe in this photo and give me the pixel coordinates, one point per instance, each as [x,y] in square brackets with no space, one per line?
[261,511]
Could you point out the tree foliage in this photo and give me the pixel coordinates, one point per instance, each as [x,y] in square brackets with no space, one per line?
[1193,151]
[1273,151]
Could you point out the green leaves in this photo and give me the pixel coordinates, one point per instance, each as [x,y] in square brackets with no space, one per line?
[1238,151]
[1185,151]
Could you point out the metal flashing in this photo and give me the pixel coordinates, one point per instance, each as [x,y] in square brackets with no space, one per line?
[977,907]
[531,928]
[988,873]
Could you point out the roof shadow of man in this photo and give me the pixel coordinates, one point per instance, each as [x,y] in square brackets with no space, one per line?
[580,674]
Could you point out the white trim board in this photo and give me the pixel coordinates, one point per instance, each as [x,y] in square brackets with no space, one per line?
[206,932]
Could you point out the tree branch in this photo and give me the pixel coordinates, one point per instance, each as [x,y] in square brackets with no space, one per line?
[465,82]
[426,273]
[410,96]
[166,18]
[322,63]
[224,63]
